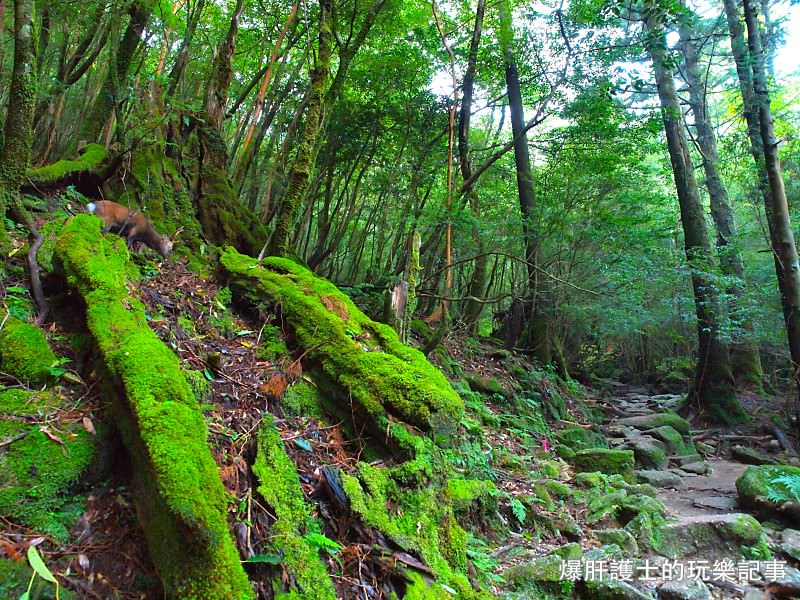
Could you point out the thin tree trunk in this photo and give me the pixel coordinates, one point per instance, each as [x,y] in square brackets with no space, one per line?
[178,69]
[298,178]
[745,359]
[477,284]
[712,387]
[782,236]
[222,73]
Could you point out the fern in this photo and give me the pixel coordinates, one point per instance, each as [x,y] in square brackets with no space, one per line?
[784,488]
[323,542]
[519,510]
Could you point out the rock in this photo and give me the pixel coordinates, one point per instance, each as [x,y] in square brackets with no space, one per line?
[791,543]
[723,503]
[751,456]
[757,486]
[685,459]
[675,441]
[564,452]
[712,538]
[648,455]
[579,438]
[684,590]
[621,538]
[545,568]
[700,468]
[614,590]
[606,461]
[658,420]
[705,448]
[485,385]
[660,479]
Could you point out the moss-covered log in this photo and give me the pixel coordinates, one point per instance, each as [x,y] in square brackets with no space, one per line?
[381,379]
[24,352]
[87,172]
[279,484]
[179,497]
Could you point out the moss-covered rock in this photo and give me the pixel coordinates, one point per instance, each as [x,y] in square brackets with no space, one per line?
[645,422]
[24,352]
[545,568]
[37,474]
[376,374]
[579,438]
[178,494]
[303,399]
[764,489]
[621,538]
[305,576]
[610,462]
[711,538]
[751,456]
[473,499]
[648,455]
[485,385]
[677,444]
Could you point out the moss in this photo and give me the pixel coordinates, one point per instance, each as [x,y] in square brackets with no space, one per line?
[611,462]
[303,400]
[485,385]
[419,589]
[377,374]
[550,468]
[272,345]
[279,484]
[201,388]
[24,352]
[89,160]
[37,474]
[419,520]
[558,489]
[179,496]
[657,420]
[758,490]
[579,438]
[473,497]
[678,444]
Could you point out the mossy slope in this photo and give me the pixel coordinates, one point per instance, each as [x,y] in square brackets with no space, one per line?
[180,499]
[36,472]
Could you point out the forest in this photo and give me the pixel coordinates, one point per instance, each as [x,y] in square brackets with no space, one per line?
[385,299]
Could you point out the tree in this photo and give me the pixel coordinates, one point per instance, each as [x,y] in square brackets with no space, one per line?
[744,354]
[712,386]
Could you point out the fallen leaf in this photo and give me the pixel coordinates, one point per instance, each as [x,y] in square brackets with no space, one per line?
[88,425]
[52,436]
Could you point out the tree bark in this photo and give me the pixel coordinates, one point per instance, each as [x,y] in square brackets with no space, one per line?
[745,360]
[781,234]
[280,241]
[712,387]
[15,154]
[222,72]
[117,76]
[477,284]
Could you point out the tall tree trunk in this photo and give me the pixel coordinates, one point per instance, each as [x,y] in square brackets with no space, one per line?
[745,360]
[298,178]
[15,154]
[117,76]
[176,74]
[712,387]
[477,284]
[538,332]
[222,72]
[781,234]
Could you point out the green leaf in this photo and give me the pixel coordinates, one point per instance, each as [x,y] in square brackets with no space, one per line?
[268,559]
[303,444]
[209,375]
[518,509]
[323,542]
[244,332]
[37,564]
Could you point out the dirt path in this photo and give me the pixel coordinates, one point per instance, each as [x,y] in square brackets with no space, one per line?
[711,494]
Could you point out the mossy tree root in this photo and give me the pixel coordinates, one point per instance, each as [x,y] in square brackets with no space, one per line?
[179,497]
[381,380]
[87,172]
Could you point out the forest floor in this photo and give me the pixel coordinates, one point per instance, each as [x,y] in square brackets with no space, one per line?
[219,349]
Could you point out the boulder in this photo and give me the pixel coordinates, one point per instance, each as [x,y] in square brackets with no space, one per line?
[751,456]
[710,537]
[658,420]
[684,590]
[660,479]
[611,462]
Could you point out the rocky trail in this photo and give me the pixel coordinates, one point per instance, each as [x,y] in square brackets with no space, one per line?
[696,474]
